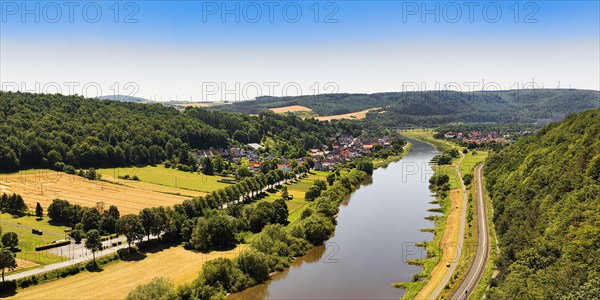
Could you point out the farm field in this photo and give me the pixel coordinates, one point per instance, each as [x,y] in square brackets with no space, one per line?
[167,177]
[470,161]
[119,278]
[291,108]
[354,116]
[27,256]
[297,189]
[44,185]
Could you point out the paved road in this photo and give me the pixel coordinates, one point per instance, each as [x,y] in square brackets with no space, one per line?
[461,234]
[80,255]
[477,268]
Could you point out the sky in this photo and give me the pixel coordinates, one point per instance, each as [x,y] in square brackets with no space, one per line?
[214,50]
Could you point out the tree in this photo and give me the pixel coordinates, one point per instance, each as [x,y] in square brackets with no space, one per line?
[255,264]
[149,218]
[243,172]
[365,166]
[93,242]
[467,179]
[284,193]
[453,152]
[90,219]
[39,211]
[317,229]
[214,232]
[223,272]
[56,210]
[312,193]
[207,166]
[321,184]
[77,235]
[10,240]
[130,226]
[444,159]
[330,178]
[7,261]
[280,211]
[159,288]
[593,169]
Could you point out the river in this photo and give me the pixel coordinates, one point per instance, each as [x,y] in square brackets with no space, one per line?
[377,228]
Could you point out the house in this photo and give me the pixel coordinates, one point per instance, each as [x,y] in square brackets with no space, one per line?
[254,166]
[284,167]
[255,146]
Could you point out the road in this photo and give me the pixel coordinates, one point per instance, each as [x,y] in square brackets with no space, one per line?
[478,267]
[79,255]
[461,234]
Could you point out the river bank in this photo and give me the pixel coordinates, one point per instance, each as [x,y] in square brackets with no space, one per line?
[442,249]
[382,217]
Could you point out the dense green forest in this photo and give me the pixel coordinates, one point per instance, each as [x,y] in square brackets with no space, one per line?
[55,131]
[435,108]
[546,195]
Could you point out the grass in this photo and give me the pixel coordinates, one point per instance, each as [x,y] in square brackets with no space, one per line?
[167,177]
[446,226]
[118,278]
[297,188]
[28,241]
[471,161]
[467,166]
[426,135]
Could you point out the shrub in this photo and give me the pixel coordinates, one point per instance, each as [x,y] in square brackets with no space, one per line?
[255,264]
[224,273]
[158,288]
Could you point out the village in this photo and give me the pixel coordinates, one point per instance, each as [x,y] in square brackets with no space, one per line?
[343,149]
[486,136]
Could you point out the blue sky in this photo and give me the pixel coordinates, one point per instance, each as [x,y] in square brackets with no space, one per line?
[173,49]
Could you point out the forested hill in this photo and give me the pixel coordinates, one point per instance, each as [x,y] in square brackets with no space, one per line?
[546,195]
[38,130]
[434,108]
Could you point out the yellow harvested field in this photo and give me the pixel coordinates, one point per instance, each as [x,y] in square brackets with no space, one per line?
[119,278]
[45,186]
[355,115]
[201,104]
[447,244]
[291,108]
[141,185]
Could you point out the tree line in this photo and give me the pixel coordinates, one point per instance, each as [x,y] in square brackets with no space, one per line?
[273,249]
[66,132]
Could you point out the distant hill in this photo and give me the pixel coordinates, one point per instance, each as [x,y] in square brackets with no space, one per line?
[434,108]
[124,98]
[545,191]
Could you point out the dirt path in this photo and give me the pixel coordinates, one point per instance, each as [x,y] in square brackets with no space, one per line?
[451,242]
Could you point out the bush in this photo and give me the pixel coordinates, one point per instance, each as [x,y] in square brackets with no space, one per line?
[8,287]
[224,273]
[255,264]
[158,288]
[318,229]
